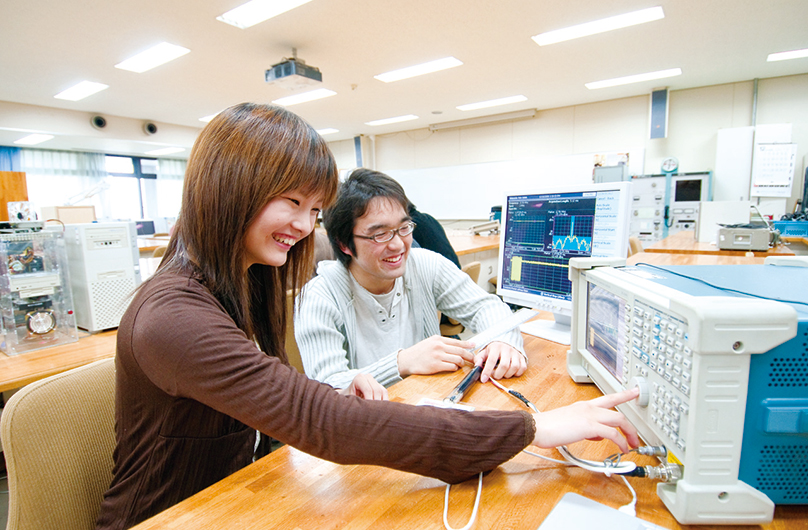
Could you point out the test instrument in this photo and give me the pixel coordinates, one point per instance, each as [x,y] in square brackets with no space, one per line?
[719,354]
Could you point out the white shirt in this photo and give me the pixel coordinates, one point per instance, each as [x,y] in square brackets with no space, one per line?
[383,322]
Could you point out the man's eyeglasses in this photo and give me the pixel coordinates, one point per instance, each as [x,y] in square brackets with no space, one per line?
[387,235]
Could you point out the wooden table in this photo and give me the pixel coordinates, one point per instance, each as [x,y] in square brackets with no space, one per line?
[148,244]
[17,371]
[467,243]
[292,490]
[684,242]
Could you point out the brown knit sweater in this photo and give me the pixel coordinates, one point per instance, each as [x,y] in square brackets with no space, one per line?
[192,389]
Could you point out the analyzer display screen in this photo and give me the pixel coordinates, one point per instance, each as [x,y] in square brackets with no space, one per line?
[606,328]
[543,231]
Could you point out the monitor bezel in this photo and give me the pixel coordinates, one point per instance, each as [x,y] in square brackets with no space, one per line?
[559,306]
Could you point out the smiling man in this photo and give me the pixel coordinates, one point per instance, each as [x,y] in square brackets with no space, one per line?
[375,309]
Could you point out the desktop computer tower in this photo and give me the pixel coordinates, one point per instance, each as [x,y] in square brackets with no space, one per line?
[104,271]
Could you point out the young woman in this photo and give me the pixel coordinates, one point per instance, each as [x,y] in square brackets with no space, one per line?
[200,363]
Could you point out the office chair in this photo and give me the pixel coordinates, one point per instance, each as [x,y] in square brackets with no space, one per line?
[159,251]
[634,245]
[454,327]
[58,435]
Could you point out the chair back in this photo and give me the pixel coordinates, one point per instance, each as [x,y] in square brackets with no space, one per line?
[58,435]
[159,251]
[453,327]
[473,270]
[634,245]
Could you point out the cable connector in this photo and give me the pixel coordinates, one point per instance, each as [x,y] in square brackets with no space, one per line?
[670,473]
[659,451]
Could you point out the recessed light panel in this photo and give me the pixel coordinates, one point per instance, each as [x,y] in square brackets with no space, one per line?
[600,26]
[650,76]
[33,139]
[81,91]
[784,56]
[256,11]
[311,95]
[492,103]
[154,56]
[388,121]
[419,69]
[329,130]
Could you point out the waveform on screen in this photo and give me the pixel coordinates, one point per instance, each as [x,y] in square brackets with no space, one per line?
[518,261]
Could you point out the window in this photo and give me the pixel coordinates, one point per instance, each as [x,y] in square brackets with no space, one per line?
[120,187]
[131,177]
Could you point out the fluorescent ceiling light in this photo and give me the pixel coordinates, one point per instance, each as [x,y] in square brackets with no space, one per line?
[600,26]
[419,69]
[166,151]
[154,56]
[388,121]
[495,118]
[784,56]
[311,95]
[634,78]
[209,117]
[329,130]
[33,139]
[256,11]
[492,103]
[81,91]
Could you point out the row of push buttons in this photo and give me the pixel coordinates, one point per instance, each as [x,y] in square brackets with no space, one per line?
[668,412]
[661,344]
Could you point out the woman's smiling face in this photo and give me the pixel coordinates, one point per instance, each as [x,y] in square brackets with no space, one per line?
[284,221]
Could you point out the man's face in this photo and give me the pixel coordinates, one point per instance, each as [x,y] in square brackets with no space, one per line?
[377,265]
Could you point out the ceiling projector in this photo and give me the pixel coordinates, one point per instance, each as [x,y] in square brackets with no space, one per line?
[293,73]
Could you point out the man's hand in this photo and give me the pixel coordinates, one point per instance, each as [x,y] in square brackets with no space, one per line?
[587,420]
[500,360]
[364,386]
[434,354]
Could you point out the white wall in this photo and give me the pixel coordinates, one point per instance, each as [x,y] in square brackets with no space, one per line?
[695,116]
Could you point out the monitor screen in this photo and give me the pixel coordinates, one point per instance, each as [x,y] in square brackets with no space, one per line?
[688,190]
[144,227]
[543,229]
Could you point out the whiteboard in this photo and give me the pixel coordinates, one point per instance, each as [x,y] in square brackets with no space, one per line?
[469,191]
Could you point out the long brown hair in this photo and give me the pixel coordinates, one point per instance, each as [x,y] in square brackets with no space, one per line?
[246,156]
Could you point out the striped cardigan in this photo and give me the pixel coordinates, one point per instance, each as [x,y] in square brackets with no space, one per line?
[325,320]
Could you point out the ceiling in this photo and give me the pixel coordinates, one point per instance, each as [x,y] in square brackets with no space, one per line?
[47,46]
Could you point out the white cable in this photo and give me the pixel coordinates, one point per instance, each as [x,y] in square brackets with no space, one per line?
[630,508]
[596,467]
[474,511]
[537,455]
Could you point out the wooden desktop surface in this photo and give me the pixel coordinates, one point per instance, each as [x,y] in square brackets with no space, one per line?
[291,489]
[464,242]
[684,242]
[17,371]
[148,244]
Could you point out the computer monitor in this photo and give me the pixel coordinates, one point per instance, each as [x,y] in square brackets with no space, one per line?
[688,190]
[145,227]
[543,228]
